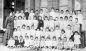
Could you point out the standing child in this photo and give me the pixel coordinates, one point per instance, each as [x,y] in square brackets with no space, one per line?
[77,41]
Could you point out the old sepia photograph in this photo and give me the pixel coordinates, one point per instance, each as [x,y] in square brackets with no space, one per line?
[42,25]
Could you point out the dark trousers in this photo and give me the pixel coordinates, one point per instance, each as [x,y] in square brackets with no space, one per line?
[7,35]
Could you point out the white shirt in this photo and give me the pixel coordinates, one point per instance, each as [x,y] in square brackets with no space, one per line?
[52,14]
[11,42]
[31,15]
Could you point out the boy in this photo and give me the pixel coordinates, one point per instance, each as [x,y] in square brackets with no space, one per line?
[21,41]
[16,41]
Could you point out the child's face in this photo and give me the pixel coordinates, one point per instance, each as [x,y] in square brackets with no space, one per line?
[62,32]
[20,18]
[57,28]
[54,39]
[18,28]
[65,39]
[31,11]
[22,11]
[26,37]
[57,19]
[11,38]
[68,27]
[16,38]
[51,29]
[61,19]
[21,38]
[17,11]
[28,28]
[23,27]
[76,20]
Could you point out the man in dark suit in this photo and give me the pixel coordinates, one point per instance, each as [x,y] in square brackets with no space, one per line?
[9,24]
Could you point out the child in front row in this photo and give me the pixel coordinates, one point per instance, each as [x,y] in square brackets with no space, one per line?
[21,41]
[16,41]
[11,42]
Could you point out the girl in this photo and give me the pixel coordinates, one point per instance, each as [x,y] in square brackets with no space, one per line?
[11,42]
[31,15]
[26,41]
[77,41]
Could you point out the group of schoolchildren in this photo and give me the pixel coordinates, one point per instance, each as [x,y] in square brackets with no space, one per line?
[54,30]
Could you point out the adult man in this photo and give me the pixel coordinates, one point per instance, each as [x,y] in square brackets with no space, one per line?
[9,24]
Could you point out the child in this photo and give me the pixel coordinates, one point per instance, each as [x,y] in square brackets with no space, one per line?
[46,22]
[16,41]
[59,44]
[46,33]
[71,44]
[57,32]
[62,34]
[48,42]
[42,42]
[77,41]
[76,25]
[26,41]
[65,22]
[51,22]
[21,41]
[56,22]
[51,33]
[11,42]
[31,15]
[32,31]
[38,33]
[35,23]
[54,42]
[61,23]
[68,32]
[31,42]
[41,14]
[65,42]
[36,42]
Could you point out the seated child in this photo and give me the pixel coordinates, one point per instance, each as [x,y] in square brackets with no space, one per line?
[42,42]
[65,46]
[21,41]
[59,44]
[51,22]
[26,41]
[62,34]
[11,42]
[57,32]
[54,42]
[31,41]
[56,22]
[36,42]
[48,42]
[16,41]
[71,44]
